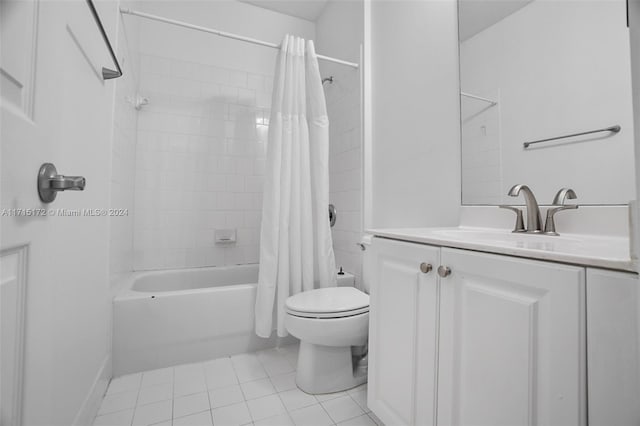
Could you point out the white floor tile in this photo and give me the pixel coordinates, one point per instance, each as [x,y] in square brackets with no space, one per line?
[295,398]
[279,420]
[275,362]
[130,382]
[220,373]
[199,419]
[284,382]
[279,366]
[257,389]
[343,408]
[157,377]
[118,402]
[191,404]
[152,413]
[357,389]
[155,393]
[120,418]
[375,419]
[266,355]
[311,416]
[188,371]
[225,396]
[289,349]
[249,389]
[291,353]
[363,420]
[231,415]
[218,363]
[189,385]
[265,407]
[361,399]
[327,396]
[248,367]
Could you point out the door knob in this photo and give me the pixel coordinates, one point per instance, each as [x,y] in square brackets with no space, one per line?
[425,267]
[444,271]
[50,183]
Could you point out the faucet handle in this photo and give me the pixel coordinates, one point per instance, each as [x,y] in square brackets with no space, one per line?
[550,223]
[563,195]
[519,220]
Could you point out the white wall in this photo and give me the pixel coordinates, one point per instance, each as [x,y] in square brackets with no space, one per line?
[200,150]
[339,33]
[416,143]
[556,68]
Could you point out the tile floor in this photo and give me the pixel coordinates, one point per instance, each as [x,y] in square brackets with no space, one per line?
[248,389]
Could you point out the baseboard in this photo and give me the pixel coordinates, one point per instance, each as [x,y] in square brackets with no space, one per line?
[91,404]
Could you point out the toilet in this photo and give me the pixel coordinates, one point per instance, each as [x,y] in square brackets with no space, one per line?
[333,327]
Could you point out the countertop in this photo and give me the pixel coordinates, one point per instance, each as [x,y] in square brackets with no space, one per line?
[610,252]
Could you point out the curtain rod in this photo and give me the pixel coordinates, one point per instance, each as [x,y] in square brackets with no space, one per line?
[226,34]
[480,98]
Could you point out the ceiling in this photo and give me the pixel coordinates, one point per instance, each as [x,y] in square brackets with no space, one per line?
[478,15]
[305,9]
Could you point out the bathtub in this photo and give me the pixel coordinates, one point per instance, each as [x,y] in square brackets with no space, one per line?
[164,318]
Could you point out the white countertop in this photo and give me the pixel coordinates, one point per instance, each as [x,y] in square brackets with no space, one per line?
[611,252]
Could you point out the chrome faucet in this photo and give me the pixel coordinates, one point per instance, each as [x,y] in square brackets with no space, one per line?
[534,220]
[559,205]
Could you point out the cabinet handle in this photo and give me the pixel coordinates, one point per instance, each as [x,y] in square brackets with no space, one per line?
[425,267]
[444,271]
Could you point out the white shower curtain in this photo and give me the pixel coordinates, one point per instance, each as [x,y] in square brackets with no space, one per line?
[296,250]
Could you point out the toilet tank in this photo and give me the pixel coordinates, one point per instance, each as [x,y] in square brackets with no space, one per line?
[346,280]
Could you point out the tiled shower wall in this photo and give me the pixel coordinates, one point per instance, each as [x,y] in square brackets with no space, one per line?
[345,167]
[123,152]
[339,33]
[199,163]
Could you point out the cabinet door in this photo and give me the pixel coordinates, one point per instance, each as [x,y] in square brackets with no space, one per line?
[402,333]
[512,342]
[613,348]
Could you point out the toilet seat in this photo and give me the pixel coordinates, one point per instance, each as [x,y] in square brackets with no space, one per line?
[328,315]
[332,302]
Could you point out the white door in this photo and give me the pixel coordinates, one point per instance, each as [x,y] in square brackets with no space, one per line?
[512,342]
[54,108]
[402,333]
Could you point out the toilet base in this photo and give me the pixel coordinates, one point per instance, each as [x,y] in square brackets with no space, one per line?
[327,369]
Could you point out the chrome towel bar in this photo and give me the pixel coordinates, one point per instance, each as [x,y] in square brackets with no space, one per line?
[613,129]
[107,73]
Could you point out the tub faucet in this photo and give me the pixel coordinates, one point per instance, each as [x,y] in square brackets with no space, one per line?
[533,211]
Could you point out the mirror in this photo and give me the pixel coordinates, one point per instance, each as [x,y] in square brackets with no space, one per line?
[535,70]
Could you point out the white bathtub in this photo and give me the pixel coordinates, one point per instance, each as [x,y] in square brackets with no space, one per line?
[164,318]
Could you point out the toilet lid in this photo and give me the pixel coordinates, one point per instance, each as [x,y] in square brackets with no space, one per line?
[329,301]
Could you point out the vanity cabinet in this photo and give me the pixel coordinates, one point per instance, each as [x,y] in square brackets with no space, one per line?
[403,331]
[613,350]
[498,341]
[512,341]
